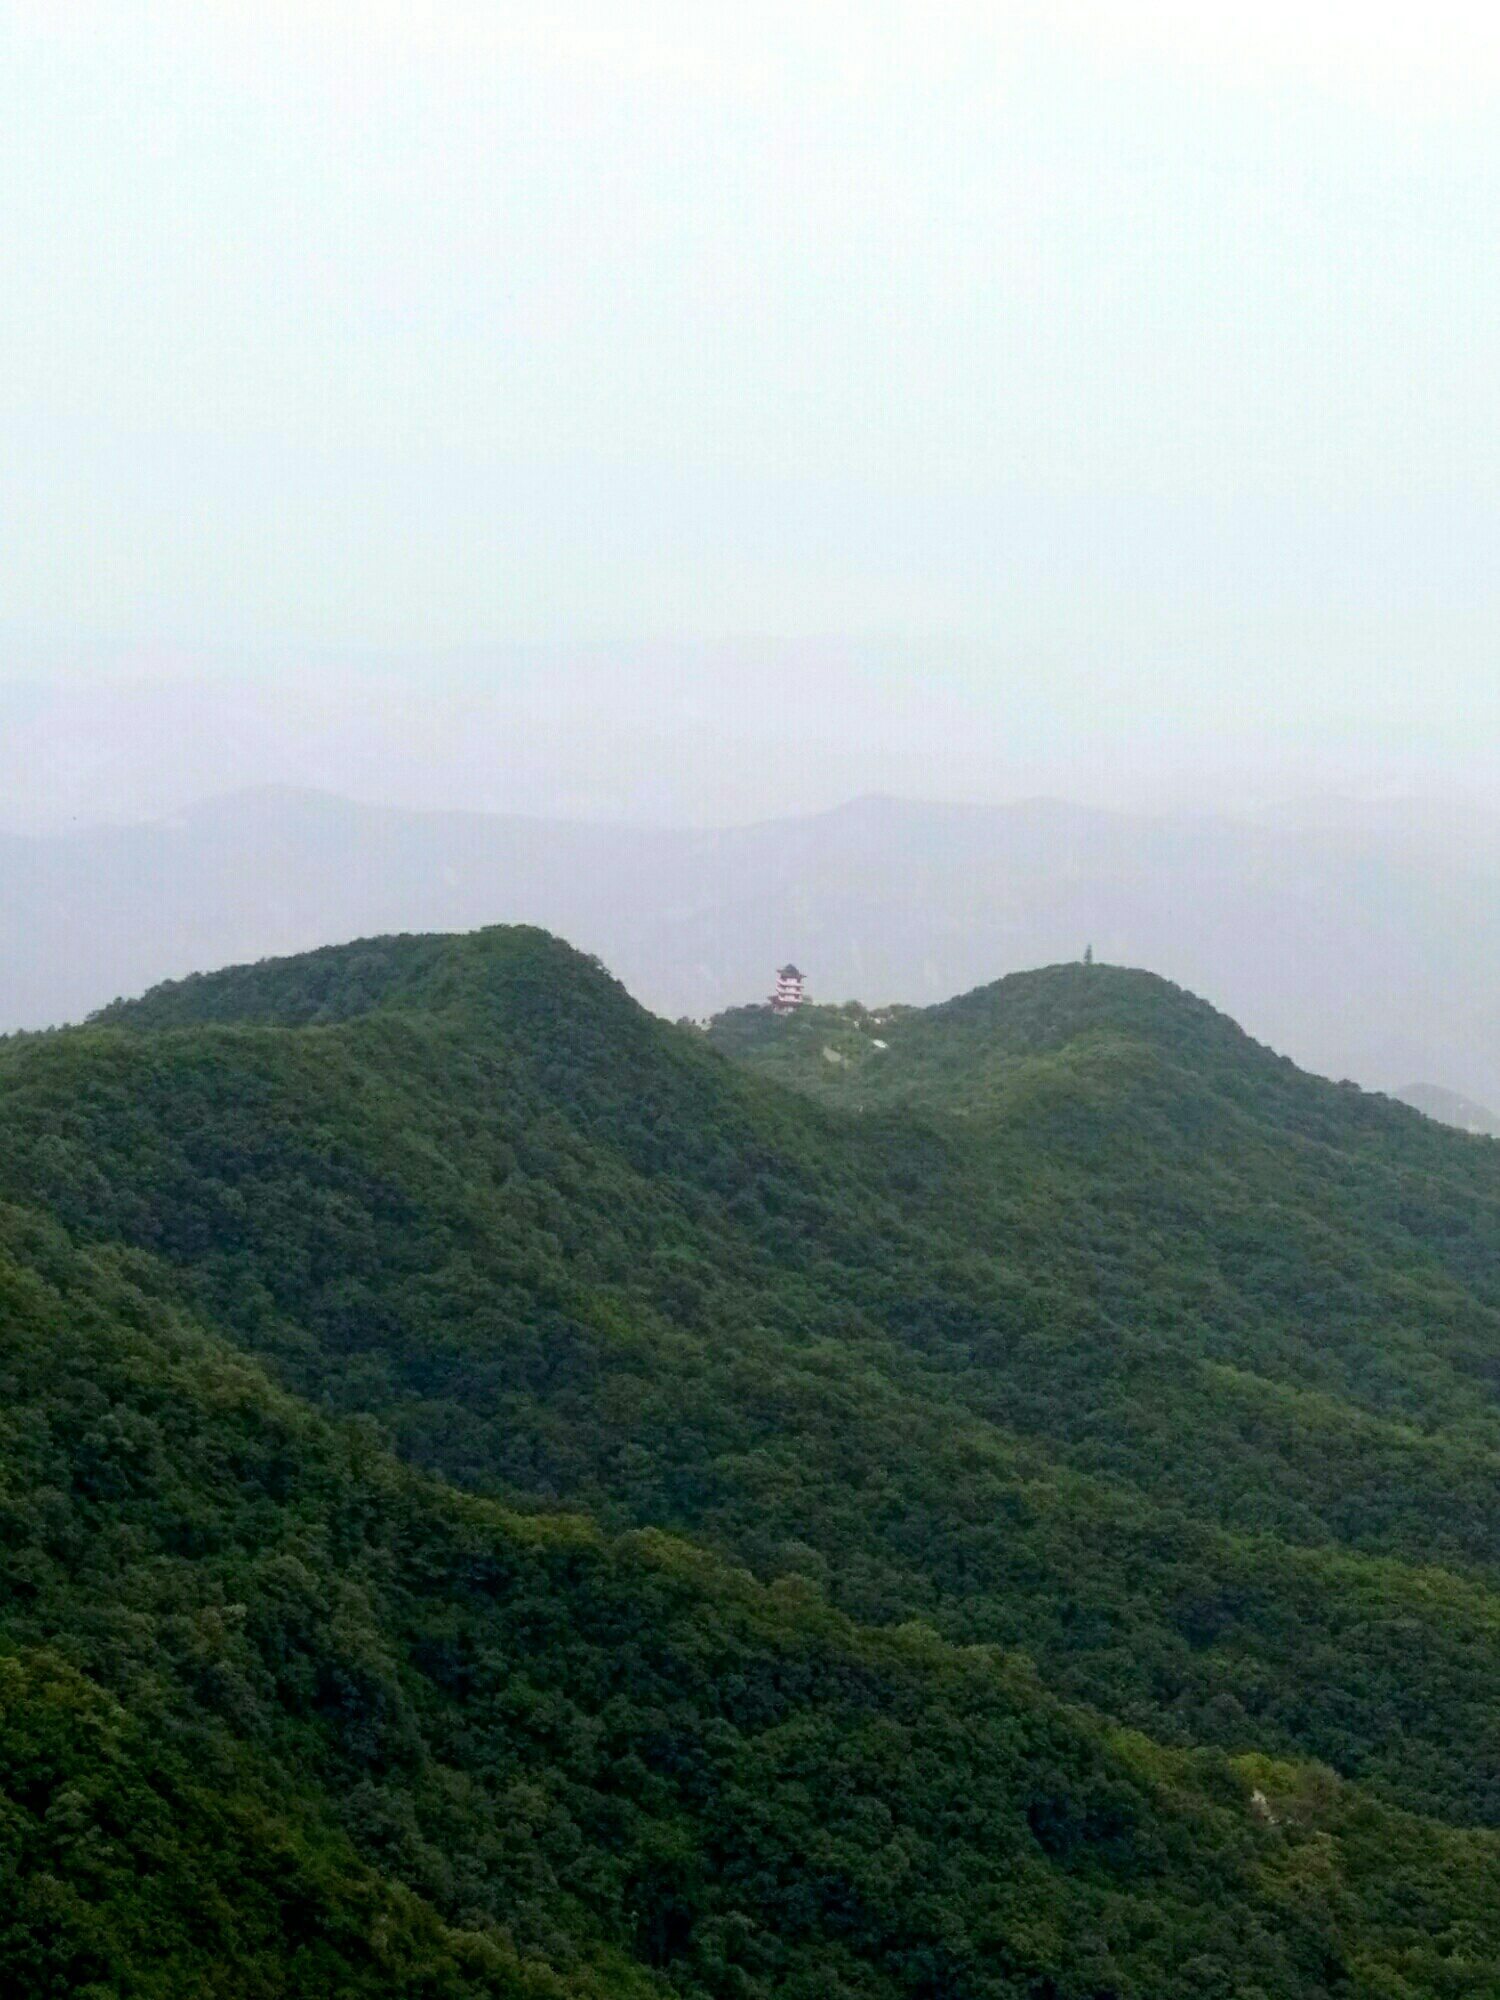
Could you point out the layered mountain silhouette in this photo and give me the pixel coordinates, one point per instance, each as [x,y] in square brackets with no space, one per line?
[1361,942]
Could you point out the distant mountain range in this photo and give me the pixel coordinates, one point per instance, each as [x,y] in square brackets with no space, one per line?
[1449,1108]
[1362,941]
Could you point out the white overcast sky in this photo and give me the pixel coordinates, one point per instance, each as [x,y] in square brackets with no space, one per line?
[1125,376]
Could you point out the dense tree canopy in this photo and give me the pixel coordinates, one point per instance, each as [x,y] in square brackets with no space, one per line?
[500,1495]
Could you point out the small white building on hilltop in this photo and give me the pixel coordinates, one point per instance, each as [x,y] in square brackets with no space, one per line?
[790,990]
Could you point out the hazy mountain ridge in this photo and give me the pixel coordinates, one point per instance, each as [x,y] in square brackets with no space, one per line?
[1450,1108]
[1364,944]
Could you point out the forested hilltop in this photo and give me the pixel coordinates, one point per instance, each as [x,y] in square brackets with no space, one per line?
[499,1495]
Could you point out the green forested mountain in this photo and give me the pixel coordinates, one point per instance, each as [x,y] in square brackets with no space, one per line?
[499,1495]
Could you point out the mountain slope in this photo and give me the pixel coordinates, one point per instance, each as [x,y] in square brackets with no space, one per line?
[1175,1368]
[277,1716]
[1098,1337]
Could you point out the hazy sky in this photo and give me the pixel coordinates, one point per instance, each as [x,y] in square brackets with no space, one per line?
[1127,374]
